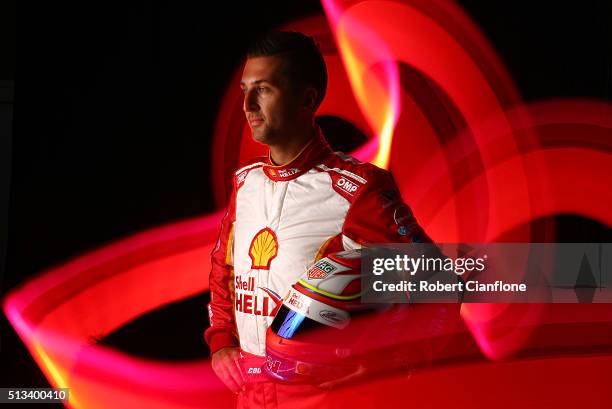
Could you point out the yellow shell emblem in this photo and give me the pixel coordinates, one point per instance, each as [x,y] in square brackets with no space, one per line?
[264,248]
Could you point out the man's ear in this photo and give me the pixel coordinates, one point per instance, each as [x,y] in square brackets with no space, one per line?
[311,98]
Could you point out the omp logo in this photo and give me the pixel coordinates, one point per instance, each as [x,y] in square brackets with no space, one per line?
[347,185]
[264,247]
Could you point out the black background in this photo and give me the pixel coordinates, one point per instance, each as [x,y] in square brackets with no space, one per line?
[114,110]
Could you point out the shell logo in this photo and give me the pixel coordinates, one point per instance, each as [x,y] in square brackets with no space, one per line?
[264,248]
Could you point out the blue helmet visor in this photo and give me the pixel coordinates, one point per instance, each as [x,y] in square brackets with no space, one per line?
[290,324]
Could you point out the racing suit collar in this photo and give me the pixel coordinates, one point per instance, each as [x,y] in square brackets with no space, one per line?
[311,155]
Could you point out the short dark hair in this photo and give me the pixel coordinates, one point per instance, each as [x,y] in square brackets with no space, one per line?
[304,62]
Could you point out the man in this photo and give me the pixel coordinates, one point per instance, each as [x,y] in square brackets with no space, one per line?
[288,209]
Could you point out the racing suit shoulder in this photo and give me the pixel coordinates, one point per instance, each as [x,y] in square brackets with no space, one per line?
[241,173]
[361,176]
[377,213]
[251,164]
[340,161]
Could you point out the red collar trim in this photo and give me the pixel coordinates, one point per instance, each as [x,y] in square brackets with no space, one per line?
[311,155]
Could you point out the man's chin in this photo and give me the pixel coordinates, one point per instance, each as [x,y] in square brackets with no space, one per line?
[260,137]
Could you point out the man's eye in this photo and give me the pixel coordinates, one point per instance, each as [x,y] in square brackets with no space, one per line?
[261,89]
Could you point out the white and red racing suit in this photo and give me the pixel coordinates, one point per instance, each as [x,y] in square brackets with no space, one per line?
[279,221]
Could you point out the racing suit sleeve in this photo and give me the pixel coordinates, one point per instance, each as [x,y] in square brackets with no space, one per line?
[222,331]
[378,215]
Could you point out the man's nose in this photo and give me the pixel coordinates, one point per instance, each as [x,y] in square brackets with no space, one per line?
[250,102]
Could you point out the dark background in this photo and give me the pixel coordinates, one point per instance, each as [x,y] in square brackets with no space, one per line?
[114,108]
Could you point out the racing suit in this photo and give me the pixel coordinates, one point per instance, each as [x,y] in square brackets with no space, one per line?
[279,221]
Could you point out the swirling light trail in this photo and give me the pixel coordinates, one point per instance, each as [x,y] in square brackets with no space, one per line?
[474,163]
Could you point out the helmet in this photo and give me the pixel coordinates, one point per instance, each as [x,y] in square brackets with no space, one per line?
[308,340]
[322,331]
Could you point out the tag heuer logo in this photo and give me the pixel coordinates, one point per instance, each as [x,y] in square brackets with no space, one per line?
[316,273]
[321,269]
[326,266]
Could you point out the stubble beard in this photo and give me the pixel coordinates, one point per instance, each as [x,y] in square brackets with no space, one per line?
[259,134]
[263,134]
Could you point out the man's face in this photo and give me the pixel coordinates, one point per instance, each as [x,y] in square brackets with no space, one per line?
[271,105]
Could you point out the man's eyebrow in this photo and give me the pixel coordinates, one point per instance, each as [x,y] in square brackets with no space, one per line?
[257,82]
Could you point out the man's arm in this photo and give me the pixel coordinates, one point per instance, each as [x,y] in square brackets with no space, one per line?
[221,336]
[222,330]
[379,215]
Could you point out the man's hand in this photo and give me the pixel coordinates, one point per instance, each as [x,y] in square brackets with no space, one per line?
[227,367]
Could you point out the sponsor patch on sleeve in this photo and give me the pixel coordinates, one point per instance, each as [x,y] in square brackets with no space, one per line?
[346,186]
[320,269]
